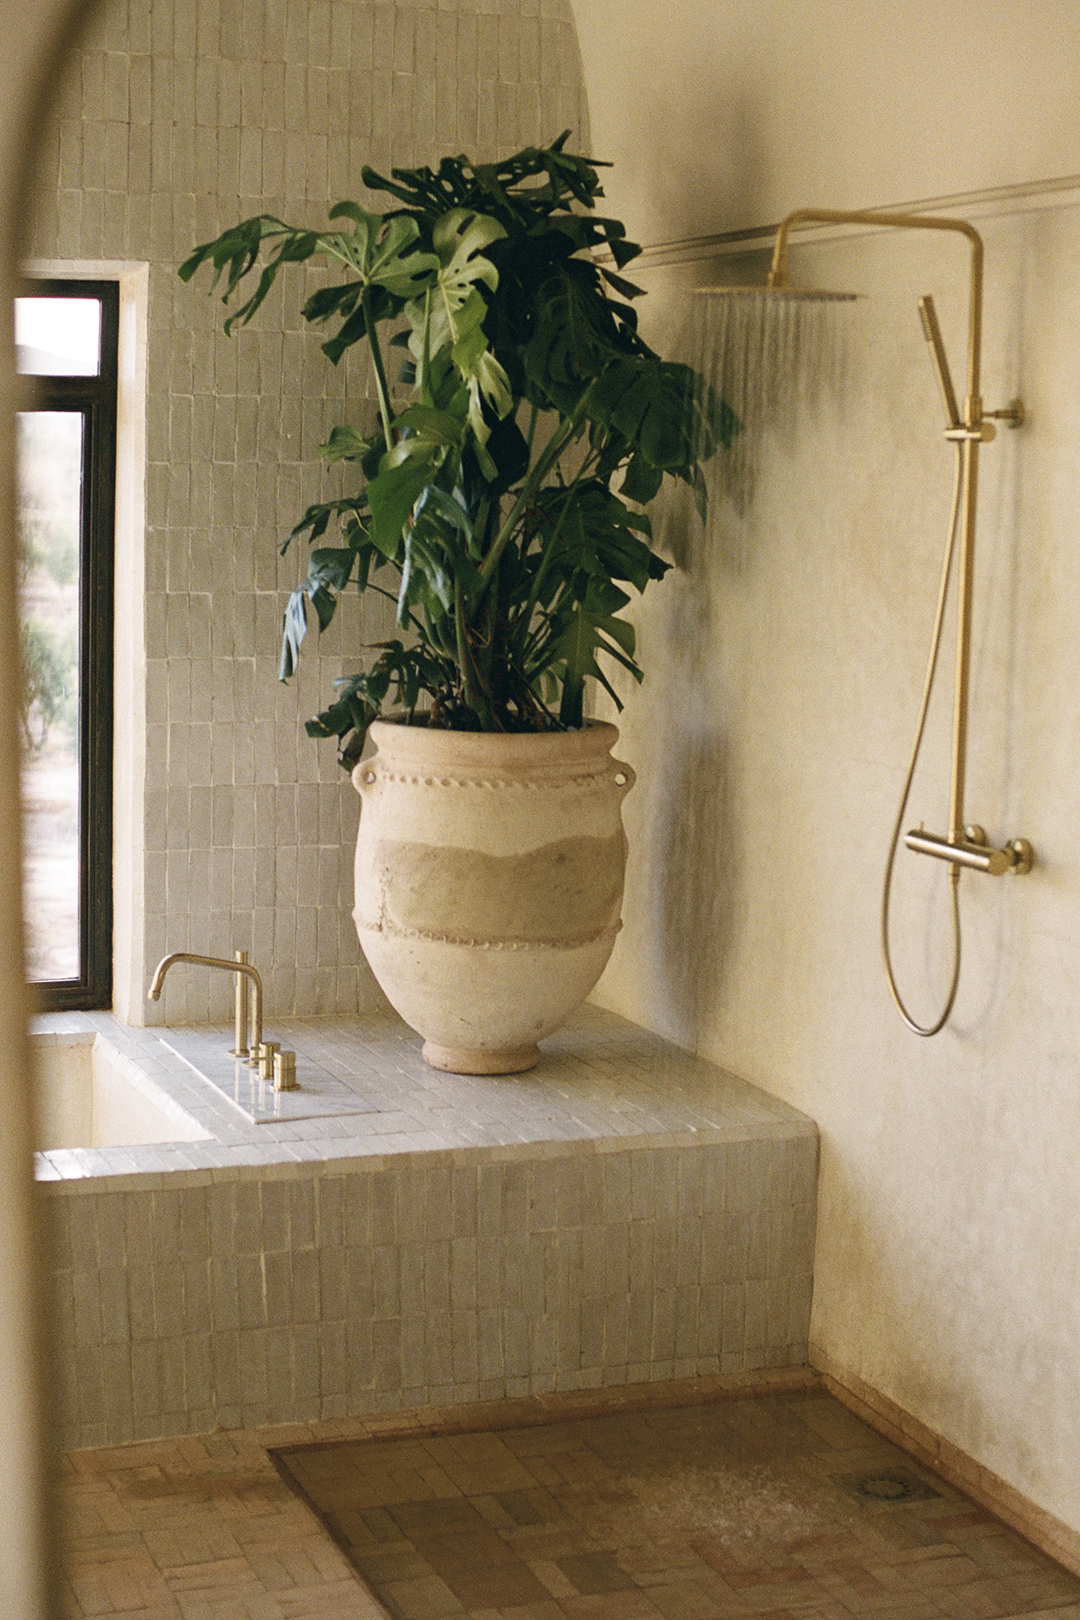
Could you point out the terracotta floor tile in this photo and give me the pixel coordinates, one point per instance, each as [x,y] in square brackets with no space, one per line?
[1071,1611]
[687,1600]
[590,1573]
[426,1599]
[612,1606]
[747,1509]
[758,1507]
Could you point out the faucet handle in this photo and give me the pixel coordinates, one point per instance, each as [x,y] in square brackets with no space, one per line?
[268,1051]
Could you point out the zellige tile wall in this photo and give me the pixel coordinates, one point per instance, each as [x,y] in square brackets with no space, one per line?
[173,121]
[625,1214]
[322,1291]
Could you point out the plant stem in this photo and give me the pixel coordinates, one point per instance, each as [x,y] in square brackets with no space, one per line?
[480,526]
[381,385]
[476,699]
[534,478]
[425,353]
[549,545]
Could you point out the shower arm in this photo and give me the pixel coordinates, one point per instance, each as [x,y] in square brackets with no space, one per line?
[973,411]
[963,845]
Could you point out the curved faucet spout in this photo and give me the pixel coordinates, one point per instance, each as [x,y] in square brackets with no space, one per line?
[243,969]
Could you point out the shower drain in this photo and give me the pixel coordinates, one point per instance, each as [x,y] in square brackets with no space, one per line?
[886,1488]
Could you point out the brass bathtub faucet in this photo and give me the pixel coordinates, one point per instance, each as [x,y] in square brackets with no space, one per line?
[245,1049]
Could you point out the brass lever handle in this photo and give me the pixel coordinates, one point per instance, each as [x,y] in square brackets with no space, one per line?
[973,851]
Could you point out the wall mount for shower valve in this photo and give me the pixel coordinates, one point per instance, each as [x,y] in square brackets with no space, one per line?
[1013,414]
[973,851]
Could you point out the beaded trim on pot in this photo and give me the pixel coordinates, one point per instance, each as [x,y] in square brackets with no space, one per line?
[534,785]
[429,935]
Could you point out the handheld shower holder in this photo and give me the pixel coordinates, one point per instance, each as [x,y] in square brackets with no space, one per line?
[985,432]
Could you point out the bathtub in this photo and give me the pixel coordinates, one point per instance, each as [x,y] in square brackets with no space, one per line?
[391,1236]
[90,1095]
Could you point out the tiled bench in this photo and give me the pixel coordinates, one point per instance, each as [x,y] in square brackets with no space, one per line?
[624,1213]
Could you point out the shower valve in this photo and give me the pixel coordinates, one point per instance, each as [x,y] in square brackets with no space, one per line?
[973,850]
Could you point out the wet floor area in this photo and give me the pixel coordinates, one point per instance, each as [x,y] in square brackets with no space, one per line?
[781,1507]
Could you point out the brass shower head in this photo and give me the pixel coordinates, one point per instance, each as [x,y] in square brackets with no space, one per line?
[798,295]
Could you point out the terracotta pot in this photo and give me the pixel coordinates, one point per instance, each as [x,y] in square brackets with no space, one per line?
[489,876]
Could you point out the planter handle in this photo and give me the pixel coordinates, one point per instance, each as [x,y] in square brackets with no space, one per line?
[625,776]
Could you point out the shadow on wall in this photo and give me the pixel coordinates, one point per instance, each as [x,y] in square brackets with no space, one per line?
[693,876]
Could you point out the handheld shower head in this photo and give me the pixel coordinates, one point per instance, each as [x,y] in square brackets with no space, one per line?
[932,333]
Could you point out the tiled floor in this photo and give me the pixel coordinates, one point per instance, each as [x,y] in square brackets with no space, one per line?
[196,1529]
[778,1507]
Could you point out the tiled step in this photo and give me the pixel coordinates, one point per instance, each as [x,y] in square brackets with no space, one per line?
[624,1213]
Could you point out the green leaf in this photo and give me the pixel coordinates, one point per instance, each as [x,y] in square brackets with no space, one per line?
[451,316]
[383,253]
[576,334]
[642,481]
[487,382]
[351,331]
[444,528]
[332,566]
[332,301]
[392,496]
[384,250]
[293,631]
[665,411]
[424,425]
[459,238]
[317,518]
[436,504]
[344,444]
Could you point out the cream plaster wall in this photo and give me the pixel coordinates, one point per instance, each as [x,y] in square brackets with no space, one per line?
[784,666]
[169,123]
[723,114]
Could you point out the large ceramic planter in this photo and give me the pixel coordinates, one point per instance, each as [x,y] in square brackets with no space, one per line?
[489,875]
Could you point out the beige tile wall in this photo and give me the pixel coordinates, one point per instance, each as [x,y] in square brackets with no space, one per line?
[195,1300]
[172,122]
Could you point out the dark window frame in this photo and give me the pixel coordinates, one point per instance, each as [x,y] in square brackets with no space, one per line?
[95,399]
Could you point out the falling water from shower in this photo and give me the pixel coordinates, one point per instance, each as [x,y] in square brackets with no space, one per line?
[773,357]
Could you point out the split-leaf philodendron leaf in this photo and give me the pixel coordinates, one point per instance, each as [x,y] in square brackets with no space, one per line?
[500,480]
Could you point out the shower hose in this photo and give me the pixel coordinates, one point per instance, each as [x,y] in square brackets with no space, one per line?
[954,871]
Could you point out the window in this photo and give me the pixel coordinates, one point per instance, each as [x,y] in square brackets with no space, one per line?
[66,341]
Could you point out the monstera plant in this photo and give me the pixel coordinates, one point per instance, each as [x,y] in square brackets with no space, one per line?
[499,501]
[500,491]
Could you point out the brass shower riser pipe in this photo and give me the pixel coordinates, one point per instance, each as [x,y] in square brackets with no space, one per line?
[970,432]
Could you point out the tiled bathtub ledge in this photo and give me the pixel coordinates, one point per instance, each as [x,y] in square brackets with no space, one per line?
[624,1214]
[602,1081]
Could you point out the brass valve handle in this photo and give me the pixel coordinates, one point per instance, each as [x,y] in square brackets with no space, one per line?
[973,851]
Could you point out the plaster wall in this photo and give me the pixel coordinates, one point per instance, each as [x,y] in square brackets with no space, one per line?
[721,115]
[784,664]
[169,123]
